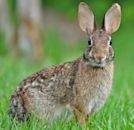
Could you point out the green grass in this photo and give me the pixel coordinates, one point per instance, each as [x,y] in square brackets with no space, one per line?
[118,112]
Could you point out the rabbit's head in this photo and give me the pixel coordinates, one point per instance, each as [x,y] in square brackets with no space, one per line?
[99,51]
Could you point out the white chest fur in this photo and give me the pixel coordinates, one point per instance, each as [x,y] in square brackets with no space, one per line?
[98,99]
[93,86]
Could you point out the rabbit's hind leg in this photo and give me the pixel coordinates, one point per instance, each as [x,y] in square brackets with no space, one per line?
[17,108]
[50,112]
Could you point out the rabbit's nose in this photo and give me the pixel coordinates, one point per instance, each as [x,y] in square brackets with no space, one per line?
[100,59]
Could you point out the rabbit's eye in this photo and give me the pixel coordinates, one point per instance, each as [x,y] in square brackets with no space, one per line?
[89,42]
[110,42]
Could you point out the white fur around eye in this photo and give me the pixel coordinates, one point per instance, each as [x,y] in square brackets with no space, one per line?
[91,41]
[109,40]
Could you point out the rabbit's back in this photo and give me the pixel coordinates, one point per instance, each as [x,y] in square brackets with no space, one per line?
[47,90]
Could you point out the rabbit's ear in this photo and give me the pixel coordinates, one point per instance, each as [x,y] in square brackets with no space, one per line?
[112,19]
[86,18]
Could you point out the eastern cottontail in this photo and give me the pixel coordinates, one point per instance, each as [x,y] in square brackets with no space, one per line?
[83,84]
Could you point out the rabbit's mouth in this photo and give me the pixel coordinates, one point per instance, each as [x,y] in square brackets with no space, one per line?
[99,64]
[95,63]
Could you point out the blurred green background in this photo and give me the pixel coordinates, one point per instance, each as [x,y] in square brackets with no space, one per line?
[118,113]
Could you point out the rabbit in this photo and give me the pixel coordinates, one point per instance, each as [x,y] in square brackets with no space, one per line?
[83,84]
